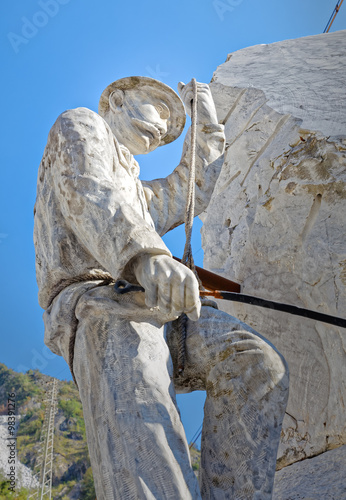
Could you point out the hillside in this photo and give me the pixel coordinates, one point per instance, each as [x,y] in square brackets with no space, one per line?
[72,474]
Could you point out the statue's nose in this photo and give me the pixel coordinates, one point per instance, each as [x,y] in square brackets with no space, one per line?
[162,127]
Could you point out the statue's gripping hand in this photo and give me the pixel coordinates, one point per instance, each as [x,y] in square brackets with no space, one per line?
[206,111]
[168,285]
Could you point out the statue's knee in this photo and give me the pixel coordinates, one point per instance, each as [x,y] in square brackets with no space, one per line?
[275,364]
[272,373]
[254,363]
[86,307]
[282,371]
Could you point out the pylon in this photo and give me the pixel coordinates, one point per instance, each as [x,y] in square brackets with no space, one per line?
[44,461]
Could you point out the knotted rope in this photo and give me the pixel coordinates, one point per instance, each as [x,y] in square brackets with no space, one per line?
[103,279]
[187,259]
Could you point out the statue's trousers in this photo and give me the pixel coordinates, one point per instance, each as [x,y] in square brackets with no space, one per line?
[127,378]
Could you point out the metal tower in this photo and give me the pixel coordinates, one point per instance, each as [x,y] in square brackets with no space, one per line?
[44,461]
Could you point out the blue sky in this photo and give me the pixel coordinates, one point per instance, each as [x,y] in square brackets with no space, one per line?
[61,54]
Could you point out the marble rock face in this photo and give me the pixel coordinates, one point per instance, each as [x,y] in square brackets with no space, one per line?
[278,215]
[320,478]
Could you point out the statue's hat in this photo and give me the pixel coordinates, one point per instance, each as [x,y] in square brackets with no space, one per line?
[152,87]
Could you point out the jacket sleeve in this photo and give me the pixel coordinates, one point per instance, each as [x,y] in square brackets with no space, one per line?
[98,196]
[167,197]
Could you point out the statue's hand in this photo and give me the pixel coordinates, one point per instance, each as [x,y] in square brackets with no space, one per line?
[206,112]
[168,285]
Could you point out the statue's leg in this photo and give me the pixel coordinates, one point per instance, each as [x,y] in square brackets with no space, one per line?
[136,441]
[246,381]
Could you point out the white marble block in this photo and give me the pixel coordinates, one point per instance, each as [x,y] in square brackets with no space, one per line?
[277,216]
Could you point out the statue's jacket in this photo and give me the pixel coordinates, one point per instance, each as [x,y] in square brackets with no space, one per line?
[92,212]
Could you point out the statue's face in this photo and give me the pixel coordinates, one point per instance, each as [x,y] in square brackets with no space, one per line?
[140,122]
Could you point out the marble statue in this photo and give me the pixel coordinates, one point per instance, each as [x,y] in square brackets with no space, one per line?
[95,222]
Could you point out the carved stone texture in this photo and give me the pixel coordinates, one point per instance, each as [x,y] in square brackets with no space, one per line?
[321,478]
[278,216]
[94,221]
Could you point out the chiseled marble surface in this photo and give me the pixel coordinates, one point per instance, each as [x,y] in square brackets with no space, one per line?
[278,216]
[320,478]
[94,218]
[304,77]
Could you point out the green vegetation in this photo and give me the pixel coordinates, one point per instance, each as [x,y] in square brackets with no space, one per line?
[24,385]
[71,464]
[88,490]
[195,458]
[5,493]
[72,474]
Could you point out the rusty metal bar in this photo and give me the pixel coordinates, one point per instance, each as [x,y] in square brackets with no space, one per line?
[213,281]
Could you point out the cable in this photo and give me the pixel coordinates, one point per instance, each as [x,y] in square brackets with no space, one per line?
[333,16]
[196,436]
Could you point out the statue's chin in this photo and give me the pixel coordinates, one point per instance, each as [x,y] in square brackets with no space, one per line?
[142,152]
[146,146]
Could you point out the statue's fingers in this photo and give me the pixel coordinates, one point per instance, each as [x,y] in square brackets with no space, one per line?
[181,85]
[165,296]
[178,297]
[192,302]
[202,86]
[151,295]
[195,312]
[186,90]
[191,291]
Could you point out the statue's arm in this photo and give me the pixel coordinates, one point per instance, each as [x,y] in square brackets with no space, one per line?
[96,194]
[167,197]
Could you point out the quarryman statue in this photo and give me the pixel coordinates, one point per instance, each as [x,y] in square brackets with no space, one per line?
[96,221]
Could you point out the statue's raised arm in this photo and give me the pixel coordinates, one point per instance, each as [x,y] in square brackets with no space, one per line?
[167,197]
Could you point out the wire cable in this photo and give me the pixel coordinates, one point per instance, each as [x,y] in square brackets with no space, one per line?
[333,16]
[196,436]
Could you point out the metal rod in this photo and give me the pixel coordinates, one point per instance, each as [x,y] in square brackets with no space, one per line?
[278,306]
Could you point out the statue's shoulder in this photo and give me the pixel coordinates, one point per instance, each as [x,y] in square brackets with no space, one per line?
[80,121]
[76,133]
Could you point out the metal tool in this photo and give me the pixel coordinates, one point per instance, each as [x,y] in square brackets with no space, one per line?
[123,286]
[277,306]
